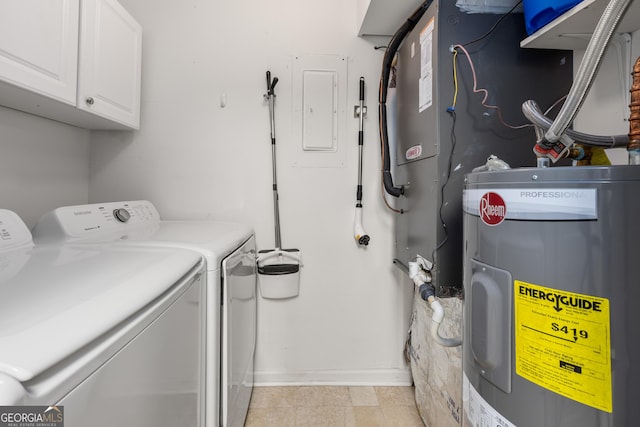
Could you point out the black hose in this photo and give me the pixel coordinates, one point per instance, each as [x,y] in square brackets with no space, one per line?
[387,61]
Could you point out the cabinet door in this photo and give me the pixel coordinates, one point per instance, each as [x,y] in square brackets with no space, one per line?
[39,46]
[110,62]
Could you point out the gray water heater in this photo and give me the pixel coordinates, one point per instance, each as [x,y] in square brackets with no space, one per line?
[551,318]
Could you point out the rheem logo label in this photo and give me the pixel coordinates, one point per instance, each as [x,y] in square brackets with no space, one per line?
[493,210]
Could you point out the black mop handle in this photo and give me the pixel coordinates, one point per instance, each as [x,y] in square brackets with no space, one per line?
[360,143]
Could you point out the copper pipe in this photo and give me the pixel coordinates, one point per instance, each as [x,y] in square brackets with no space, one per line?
[634,118]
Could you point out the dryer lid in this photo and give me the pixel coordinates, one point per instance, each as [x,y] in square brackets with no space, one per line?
[212,239]
[58,300]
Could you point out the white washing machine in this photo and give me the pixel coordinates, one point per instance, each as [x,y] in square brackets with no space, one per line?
[110,335]
[231,295]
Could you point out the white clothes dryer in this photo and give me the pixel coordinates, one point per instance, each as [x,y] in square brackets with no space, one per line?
[231,287]
[110,335]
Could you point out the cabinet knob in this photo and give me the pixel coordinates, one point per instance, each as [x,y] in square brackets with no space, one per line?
[90,101]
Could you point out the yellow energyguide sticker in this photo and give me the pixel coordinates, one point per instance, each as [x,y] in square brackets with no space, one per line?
[562,343]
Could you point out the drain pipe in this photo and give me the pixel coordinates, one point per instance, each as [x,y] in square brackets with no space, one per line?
[420,273]
[633,148]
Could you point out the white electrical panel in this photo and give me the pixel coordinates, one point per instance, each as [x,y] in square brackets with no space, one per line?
[319,110]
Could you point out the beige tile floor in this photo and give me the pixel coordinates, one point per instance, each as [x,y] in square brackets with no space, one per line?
[333,406]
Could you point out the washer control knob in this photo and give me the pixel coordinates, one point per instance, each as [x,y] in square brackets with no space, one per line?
[121,214]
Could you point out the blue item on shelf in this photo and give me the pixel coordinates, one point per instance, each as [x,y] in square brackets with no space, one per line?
[538,13]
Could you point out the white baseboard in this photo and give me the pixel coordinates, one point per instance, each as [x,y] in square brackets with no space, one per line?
[379,377]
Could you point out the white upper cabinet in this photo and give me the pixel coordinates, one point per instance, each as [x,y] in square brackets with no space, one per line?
[74,61]
[39,46]
[110,62]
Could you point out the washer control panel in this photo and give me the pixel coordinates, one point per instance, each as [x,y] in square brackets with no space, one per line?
[13,231]
[85,221]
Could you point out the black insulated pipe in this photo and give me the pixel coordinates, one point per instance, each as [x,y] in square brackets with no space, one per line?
[387,61]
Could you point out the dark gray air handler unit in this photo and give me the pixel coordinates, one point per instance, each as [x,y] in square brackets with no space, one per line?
[431,152]
[551,318]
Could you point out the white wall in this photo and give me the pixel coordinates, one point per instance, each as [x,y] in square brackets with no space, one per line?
[196,159]
[44,164]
